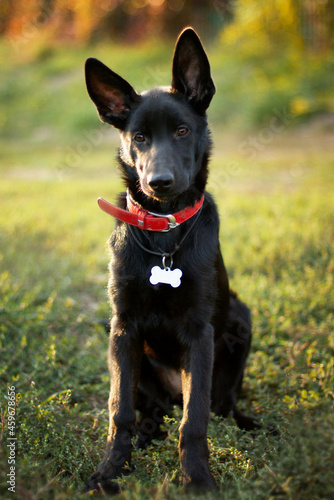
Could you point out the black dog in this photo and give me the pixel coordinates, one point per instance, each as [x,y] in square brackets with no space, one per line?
[177,331]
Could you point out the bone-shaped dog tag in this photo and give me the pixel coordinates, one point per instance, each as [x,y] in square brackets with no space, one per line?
[166,276]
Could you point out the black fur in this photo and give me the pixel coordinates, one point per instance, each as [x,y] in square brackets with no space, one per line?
[199,334]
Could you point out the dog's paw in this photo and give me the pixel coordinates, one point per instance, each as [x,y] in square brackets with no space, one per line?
[198,483]
[246,423]
[100,485]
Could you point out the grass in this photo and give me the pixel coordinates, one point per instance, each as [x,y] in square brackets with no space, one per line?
[274,189]
[277,236]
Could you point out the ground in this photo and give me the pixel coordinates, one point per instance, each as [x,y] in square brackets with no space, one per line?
[274,190]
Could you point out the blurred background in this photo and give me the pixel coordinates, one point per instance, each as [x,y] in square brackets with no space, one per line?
[271,60]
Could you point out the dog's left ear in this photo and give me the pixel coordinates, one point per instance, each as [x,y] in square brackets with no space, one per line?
[191,71]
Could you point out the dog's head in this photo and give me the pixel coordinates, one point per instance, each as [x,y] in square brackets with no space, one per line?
[164,130]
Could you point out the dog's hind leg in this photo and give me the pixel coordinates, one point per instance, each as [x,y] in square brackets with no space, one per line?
[125,359]
[154,400]
[231,349]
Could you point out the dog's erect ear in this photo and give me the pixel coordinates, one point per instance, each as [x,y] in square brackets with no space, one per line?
[112,95]
[191,71]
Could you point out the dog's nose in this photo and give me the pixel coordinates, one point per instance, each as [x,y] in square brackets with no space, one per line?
[161,182]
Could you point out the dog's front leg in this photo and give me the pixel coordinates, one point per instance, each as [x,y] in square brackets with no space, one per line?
[125,360]
[196,387]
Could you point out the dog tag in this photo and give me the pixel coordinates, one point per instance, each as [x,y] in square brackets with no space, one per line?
[166,276]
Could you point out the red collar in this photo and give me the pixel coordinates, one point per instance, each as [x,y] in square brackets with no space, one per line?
[150,221]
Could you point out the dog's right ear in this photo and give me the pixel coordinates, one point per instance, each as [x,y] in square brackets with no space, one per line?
[112,95]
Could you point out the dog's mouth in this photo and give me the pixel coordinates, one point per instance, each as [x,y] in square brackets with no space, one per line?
[160,195]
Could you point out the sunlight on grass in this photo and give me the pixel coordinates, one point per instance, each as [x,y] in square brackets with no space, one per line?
[277,240]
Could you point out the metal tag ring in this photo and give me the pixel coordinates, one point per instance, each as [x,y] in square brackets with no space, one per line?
[164,261]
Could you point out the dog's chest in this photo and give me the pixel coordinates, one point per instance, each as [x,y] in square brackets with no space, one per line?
[159,309]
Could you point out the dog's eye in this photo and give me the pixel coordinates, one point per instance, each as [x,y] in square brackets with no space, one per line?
[182,131]
[139,137]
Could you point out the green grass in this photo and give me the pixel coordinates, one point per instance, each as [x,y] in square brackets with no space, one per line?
[277,237]
[274,188]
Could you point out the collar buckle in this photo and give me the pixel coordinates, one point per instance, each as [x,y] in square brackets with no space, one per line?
[171,221]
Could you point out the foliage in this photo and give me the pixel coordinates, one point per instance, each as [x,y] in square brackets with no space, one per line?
[264,25]
[273,22]
[127,20]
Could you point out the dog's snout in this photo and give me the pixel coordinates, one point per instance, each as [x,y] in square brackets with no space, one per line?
[161,182]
